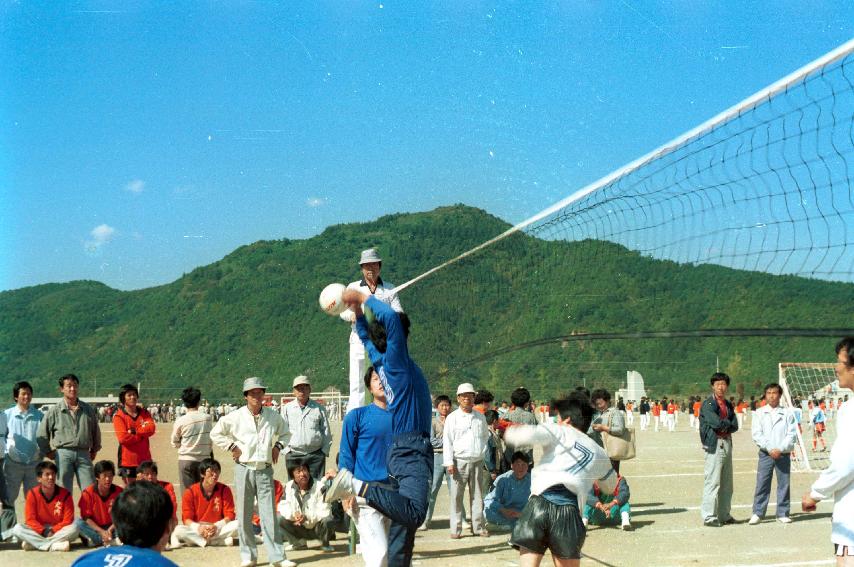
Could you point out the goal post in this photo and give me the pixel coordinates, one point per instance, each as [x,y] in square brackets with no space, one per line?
[807,386]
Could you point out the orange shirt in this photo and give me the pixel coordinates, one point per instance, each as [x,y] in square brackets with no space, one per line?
[671,408]
[697,406]
[629,406]
[133,447]
[170,490]
[196,508]
[656,409]
[40,512]
[93,505]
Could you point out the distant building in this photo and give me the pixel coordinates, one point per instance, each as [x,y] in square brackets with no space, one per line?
[634,389]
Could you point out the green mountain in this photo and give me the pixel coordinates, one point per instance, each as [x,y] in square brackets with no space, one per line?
[255,312]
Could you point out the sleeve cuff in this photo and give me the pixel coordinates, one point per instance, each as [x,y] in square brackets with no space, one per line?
[816,496]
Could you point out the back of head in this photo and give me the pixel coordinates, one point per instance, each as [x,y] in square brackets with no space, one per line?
[377,332]
[520,397]
[142,514]
[491,416]
[191,397]
[483,397]
[577,407]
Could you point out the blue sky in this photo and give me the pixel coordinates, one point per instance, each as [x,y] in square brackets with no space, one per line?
[143,139]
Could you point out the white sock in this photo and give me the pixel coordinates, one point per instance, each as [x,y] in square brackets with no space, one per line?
[625,517]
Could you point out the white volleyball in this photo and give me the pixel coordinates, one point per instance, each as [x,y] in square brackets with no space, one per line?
[332,299]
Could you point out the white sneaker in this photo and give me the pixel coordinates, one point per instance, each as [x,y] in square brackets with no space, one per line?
[60,546]
[585,521]
[341,487]
[300,544]
[754,519]
[284,563]
[784,520]
[228,542]
[27,546]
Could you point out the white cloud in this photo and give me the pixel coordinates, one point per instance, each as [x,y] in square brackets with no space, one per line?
[316,201]
[100,235]
[136,186]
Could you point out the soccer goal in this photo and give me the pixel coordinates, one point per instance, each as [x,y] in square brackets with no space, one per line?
[807,388]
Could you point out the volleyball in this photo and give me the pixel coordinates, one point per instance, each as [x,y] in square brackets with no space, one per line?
[332,300]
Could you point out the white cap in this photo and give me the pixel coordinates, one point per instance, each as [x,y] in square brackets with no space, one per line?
[252,383]
[300,380]
[465,388]
[369,256]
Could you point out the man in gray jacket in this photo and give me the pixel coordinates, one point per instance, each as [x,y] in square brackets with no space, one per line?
[69,434]
[311,438]
[717,424]
[774,432]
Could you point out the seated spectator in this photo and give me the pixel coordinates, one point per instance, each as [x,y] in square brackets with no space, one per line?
[143,517]
[95,523]
[207,510]
[608,509]
[304,514]
[49,514]
[505,502]
[494,458]
[147,470]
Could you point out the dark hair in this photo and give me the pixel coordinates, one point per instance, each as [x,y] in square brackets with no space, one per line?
[577,407]
[774,385]
[147,466]
[600,394]
[16,389]
[441,398]
[142,513]
[377,332]
[208,464]
[846,344]
[124,391]
[483,396]
[369,374]
[584,390]
[68,377]
[518,456]
[46,465]
[191,397]
[104,466]
[717,377]
[520,397]
[491,416]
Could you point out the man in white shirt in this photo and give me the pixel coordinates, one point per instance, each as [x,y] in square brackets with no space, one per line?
[371,283]
[308,424]
[774,432]
[254,435]
[303,513]
[837,480]
[191,435]
[463,449]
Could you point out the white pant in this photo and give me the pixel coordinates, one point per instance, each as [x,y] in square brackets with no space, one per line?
[373,534]
[185,534]
[671,422]
[691,420]
[630,417]
[357,376]
[657,420]
[25,533]
[473,475]
[644,421]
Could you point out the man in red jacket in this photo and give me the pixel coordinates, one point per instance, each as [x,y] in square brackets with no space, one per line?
[49,513]
[134,426]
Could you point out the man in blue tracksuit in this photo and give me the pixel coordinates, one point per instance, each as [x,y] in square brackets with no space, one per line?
[405,497]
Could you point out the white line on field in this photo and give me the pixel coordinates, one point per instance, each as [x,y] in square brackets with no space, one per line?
[792,564]
[823,504]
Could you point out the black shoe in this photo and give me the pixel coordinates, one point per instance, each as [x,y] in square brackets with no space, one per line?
[730,522]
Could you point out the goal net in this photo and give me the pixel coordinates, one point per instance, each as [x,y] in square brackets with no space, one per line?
[712,235]
[812,390]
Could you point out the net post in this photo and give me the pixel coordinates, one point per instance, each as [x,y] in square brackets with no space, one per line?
[801,453]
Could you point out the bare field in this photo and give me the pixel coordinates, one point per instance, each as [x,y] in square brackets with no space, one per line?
[666,482]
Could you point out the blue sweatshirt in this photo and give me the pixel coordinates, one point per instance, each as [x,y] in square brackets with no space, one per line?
[508,493]
[364,443]
[406,390]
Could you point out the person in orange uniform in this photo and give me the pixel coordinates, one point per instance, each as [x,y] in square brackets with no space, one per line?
[671,415]
[147,470]
[656,414]
[698,403]
[96,503]
[134,426]
[49,513]
[207,510]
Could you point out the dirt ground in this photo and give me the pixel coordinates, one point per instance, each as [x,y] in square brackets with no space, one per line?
[666,482]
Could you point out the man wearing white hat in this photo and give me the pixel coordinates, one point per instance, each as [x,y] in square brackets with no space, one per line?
[311,437]
[371,284]
[464,447]
[254,435]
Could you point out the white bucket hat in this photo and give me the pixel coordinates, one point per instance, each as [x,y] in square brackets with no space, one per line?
[465,388]
[369,256]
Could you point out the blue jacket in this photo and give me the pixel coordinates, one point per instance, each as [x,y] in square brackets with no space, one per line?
[508,493]
[365,440]
[406,390]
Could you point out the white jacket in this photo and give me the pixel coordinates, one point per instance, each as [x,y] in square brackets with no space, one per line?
[464,437]
[314,508]
[774,428]
[837,480]
[570,458]
[255,444]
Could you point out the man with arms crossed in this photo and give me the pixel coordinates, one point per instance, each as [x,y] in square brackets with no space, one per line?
[774,432]
[837,480]
[371,283]
[254,435]
[69,434]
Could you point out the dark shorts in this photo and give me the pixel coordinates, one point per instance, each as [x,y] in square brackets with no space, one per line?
[544,525]
[126,472]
